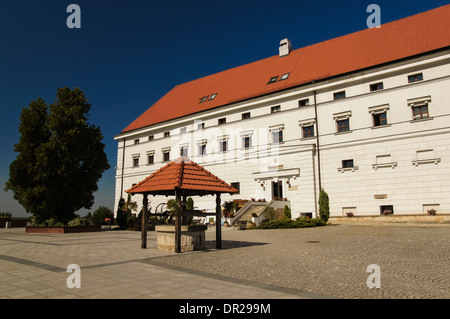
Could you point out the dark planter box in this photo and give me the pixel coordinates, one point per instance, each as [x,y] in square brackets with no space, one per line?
[61,230]
[14,222]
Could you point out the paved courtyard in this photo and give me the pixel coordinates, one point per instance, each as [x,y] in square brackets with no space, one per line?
[321,262]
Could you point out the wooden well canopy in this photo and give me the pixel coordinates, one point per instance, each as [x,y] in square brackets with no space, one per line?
[182,178]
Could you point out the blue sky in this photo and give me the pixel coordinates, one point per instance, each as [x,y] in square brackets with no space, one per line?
[128,54]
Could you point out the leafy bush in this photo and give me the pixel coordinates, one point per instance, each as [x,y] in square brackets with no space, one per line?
[324,206]
[51,222]
[80,221]
[99,215]
[270,213]
[287,211]
[6,215]
[285,222]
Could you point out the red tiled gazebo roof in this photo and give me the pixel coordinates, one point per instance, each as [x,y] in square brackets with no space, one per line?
[182,174]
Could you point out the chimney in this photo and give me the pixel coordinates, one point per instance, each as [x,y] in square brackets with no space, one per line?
[285,47]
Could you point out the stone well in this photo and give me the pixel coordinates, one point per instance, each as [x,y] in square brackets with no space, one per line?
[192,237]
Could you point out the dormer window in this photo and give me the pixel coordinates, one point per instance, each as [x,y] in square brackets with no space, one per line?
[273,79]
[208,98]
[284,76]
[204,99]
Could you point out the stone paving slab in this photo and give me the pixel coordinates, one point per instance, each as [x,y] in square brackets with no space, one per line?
[310,263]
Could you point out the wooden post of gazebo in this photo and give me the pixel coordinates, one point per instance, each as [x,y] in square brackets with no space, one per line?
[178,222]
[144,222]
[218,223]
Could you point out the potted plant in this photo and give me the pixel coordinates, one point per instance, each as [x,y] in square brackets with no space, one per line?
[431,212]
[387,212]
[349,214]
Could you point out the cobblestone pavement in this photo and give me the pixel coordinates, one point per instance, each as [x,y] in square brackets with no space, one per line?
[414,259]
[321,262]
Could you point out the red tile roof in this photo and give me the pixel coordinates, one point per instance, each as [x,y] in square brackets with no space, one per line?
[182,174]
[396,40]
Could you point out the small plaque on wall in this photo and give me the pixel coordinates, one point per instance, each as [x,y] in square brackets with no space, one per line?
[380,196]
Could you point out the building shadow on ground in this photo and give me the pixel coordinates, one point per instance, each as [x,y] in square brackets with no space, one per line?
[231,244]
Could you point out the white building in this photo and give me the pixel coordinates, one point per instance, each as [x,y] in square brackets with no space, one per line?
[365,116]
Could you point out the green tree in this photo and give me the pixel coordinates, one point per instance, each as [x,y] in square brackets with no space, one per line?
[270,213]
[121,215]
[189,206]
[60,158]
[99,215]
[287,211]
[324,205]
[124,212]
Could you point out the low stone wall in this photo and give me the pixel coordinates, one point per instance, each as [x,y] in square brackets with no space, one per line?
[61,230]
[192,237]
[393,219]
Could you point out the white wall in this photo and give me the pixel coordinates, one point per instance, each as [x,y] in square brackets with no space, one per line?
[407,187]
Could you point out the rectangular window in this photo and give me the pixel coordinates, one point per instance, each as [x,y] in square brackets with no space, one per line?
[237,186]
[308,131]
[166,156]
[200,126]
[349,211]
[223,146]
[135,161]
[275,109]
[212,97]
[304,102]
[222,121]
[420,112]
[343,125]
[245,115]
[150,159]
[247,141]
[202,149]
[379,119]
[284,76]
[386,210]
[339,95]
[376,86]
[136,141]
[277,137]
[347,163]
[151,137]
[415,78]
[273,79]
[166,134]
[184,151]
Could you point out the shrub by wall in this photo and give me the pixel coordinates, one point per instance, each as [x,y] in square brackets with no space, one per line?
[286,222]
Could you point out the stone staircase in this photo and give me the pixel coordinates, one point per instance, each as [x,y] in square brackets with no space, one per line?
[256,209]
[246,213]
[253,211]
